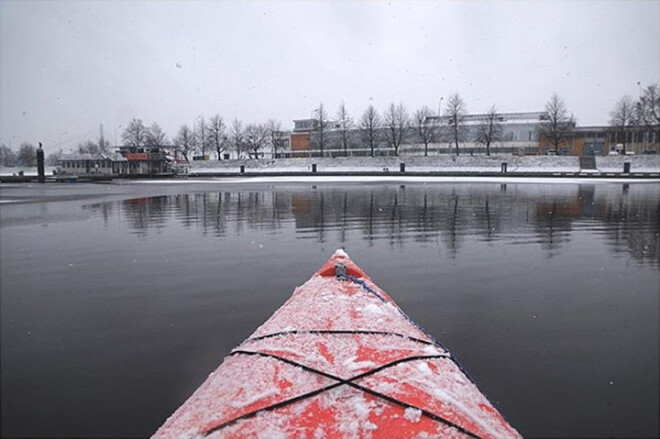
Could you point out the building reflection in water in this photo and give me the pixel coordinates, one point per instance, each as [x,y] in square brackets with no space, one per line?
[449,214]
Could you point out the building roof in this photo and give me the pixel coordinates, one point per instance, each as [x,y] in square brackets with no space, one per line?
[83,156]
[533,116]
[78,156]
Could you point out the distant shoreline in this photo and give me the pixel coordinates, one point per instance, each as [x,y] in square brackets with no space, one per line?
[392,168]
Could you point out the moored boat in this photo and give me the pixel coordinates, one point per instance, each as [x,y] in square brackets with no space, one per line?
[338,360]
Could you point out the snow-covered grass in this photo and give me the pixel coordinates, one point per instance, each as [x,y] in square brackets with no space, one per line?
[463,163]
[15,170]
[638,163]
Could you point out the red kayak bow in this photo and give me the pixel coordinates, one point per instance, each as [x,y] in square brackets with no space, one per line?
[338,360]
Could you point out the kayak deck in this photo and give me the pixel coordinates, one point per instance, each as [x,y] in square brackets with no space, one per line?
[338,360]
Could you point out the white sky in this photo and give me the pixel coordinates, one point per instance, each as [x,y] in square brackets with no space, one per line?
[66,67]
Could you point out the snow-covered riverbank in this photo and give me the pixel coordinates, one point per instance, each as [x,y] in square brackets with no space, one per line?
[641,163]
[26,170]
[464,163]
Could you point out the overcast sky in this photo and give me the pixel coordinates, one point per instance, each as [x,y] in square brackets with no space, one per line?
[67,67]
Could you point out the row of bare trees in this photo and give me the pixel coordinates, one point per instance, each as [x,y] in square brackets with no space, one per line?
[246,140]
[210,135]
[556,129]
[629,115]
[25,156]
[395,122]
[370,130]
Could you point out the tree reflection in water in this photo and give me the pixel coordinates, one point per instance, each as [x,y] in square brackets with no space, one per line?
[626,217]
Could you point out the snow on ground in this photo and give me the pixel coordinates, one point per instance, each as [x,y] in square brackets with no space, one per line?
[444,163]
[5,171]
[464,163]
[640,163]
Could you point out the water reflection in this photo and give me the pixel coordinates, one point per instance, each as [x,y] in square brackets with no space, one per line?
[626,218]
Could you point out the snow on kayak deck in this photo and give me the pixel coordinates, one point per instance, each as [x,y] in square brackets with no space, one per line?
[338,360]
[320,305]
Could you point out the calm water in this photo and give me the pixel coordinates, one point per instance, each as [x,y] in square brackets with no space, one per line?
[118,300]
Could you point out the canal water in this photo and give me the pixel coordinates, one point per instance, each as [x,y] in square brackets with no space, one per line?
[117,301]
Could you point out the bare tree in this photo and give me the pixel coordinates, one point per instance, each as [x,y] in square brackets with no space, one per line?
[622,117]
[396,122]
[558,125]
[217,135]
[649,109]
[54,157]
[202,138]
[184,141]
[104,146]
[370,123]
[88,147]
[345,126]
[277,136]
[135,134]
[7,156]
[489,129]
[156,136]
[93,148]
[237,137]
[455,112]
[424,129]
[27,155]
[322,121]
[256,135]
